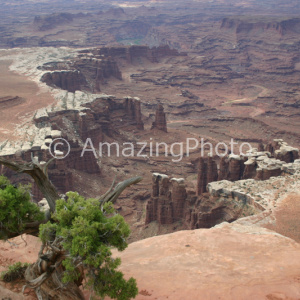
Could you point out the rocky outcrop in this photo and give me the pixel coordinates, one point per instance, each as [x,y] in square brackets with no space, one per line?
[78,120]
[250,169]
[215,182]
[160,122]
[212,170]
[236,167]
[179,195]
[132,108]
[256,164]
[171,202]
[166,205]
[86,72]
[261,147]
[97,69]
[188,94]
[285,152]
[266,173]
[67,80]
[223,169]
[207,172]
[201,177]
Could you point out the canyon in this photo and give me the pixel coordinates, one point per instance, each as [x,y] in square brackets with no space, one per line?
[86,118]
[163,76]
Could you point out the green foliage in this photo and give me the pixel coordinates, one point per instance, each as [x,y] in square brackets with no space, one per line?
[3,181]
[88,232]
[14,272]
[16,209]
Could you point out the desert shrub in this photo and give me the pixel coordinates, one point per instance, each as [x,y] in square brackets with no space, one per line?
[14,272]
[16,208]
[3,182]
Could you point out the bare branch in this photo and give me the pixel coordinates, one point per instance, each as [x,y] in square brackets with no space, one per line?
[113,195]
[109,190]
[40,177]
[46,166]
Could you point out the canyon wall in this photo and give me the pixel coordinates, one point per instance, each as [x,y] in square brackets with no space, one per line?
[259,163]
[83,73]
[223,191]
[172,203]
[97,121]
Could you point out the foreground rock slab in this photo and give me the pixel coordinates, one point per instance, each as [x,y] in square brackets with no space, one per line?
[230,261]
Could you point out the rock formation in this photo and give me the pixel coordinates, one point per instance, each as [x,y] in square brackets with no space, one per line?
[207,172]
[286,153]
[250,169]
[91,68]
[132,108]
[260,165]
[222,200]
[178,196]
[223,169]
[229,184]
[79,119]
[67,80]
[168,199]
[160,122]
[236,165]
[202,177]
[86,72]
[171,202]
[212,170]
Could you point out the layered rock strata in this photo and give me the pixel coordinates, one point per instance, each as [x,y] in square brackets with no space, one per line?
[79,118]
[132,107]
[256,164]
[167,201]
[85,72]
[224,200]
[171,202]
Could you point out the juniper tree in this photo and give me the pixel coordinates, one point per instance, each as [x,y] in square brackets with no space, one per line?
[76,241]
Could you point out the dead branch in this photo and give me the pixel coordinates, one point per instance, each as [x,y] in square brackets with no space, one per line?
[40,176]
[112,194]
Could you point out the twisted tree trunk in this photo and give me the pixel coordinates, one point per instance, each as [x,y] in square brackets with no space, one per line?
[45,276]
